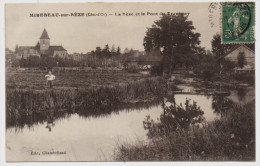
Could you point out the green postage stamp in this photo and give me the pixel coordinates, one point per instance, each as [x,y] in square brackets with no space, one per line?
[238,22]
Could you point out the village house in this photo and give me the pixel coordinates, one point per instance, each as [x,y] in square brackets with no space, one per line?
[137,53]
[249,54]
[145,61]
[77,56]
[42,48]
[9,56]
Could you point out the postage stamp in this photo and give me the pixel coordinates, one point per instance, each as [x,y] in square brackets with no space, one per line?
[238,22]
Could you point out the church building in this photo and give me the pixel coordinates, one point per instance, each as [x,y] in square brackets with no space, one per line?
[42,48]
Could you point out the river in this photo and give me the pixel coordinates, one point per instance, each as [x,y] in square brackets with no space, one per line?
[95,138]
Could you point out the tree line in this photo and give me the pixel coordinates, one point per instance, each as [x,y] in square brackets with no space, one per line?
[100,57]
[179,44]
[173,36]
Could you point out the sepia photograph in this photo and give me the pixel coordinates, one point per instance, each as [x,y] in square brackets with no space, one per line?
[165,81]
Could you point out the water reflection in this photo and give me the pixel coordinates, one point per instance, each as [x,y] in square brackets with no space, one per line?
[185,88]
[36,118]
[50,121]
[49,116]
[174,117]
[83,138]
[91,135]
[241,93]
[221,104]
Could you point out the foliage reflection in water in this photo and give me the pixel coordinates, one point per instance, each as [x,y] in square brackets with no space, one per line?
[50,116]
[101,132]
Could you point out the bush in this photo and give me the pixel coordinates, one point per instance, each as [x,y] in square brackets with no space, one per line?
[244,77]
[206,69]
[231,138]
[157,70]
[132,68]
[228,66]
[174,118]
[208,74]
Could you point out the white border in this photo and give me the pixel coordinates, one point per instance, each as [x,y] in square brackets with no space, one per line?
[2,94]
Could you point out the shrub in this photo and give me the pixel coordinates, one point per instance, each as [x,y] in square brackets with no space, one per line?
[231,138]
[244,77]
[206,70]
[228,66]
[241,61]
[157,70]
[132,68]
[174,118]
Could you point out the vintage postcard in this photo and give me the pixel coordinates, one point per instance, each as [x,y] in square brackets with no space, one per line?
[168,81]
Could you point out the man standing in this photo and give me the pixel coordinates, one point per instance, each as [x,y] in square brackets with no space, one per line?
[50,79]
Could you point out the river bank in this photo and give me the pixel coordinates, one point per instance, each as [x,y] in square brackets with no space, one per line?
[25,104]
[230,138]
[116,113]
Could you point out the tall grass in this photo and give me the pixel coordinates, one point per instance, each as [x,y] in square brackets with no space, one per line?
[88,102]
[231,138]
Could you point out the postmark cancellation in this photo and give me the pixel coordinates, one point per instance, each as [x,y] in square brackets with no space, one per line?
[238,22]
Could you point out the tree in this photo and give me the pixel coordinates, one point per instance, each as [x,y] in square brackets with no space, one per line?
[98,51]
[206,68]
[175,36]
[131,52]
[221,104]
[106,54]
[15,63]
[16,49]
[118,55]
[218,49]
[228,66]
[241,61]
[174,118]
[126,50]
[118,50]
[113,50]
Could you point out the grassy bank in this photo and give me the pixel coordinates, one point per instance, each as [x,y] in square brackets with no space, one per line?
[22,105]
[231,138]
[71,79]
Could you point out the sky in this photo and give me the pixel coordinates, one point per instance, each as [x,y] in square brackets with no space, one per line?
[83,34]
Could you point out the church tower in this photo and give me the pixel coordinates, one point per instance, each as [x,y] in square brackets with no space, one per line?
[44,41]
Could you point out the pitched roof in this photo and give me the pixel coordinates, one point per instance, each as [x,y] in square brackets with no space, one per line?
[154,58]
[8,51]
[236,47]
[26,47]
[55,48]
[44,35]
[37,46]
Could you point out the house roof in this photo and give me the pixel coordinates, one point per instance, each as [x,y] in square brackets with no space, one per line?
[236,47]
[153,58]
[146,58]
[55,48]
[8,51]
[21,48]
[37,46]
[44,35]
